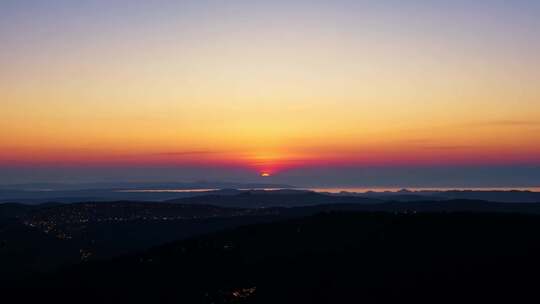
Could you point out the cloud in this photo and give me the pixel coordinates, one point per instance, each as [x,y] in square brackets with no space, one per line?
[504,123]
[434,144]
[185,153]
[449,147]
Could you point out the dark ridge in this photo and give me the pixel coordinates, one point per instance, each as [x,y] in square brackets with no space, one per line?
[336,257]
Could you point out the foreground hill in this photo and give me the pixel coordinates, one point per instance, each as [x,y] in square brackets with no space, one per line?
[344,257]
[48,236]
[45,237]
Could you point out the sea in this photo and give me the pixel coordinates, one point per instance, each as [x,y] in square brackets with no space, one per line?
[355,189]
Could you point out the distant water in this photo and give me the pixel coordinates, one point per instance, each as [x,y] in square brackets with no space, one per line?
[353,189]
[376,189]
[167,190]
[189,190]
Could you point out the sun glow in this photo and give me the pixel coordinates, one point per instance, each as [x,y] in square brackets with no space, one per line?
[190,92]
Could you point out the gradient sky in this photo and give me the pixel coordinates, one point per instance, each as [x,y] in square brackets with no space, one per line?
[214,88]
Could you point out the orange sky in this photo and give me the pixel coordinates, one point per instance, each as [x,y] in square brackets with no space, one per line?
[267,91]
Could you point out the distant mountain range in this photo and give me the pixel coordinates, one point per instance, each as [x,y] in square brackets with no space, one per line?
[507,196]
[42,193]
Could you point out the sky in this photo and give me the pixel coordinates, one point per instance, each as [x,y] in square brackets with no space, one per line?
[311,92]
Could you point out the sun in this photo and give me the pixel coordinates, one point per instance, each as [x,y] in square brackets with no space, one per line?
[265,174]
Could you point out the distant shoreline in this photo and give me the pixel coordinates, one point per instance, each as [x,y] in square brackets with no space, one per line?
[420,189]
[349,189]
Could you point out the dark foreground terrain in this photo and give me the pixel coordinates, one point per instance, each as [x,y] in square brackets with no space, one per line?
[330,257]
[271,247]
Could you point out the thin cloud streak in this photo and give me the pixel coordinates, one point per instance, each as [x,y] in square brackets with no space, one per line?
[186,153]
[505,123]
